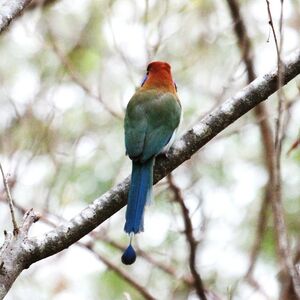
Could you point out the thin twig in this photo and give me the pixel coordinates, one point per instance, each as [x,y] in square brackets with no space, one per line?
[281,100]
[10,202]
[273,28]
[283,247]
[295,145]
[198,284]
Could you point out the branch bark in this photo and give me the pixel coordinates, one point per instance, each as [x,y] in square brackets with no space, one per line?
[10,10]
[13,253]
[36,248]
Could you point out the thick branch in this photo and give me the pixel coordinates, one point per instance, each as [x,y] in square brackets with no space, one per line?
[10,10]
[112,201]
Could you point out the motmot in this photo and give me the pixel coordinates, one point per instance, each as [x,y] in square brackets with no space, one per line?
[151,120]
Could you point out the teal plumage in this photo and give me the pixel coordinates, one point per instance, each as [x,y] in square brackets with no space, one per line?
[152,117]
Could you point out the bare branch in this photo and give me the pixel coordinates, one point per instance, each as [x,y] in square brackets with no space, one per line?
[10,10]
[273,28]
[198,283]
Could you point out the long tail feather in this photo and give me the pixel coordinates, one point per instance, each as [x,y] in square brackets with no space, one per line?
[139,194]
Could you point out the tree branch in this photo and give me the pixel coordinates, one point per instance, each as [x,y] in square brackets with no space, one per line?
[188,231]
[34,249]
[10,10]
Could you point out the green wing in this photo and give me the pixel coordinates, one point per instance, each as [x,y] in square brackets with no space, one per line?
[150,121]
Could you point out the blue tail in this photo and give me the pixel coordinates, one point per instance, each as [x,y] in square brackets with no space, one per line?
[139,193]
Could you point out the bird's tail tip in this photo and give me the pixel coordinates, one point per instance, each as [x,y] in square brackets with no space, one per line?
[129,255]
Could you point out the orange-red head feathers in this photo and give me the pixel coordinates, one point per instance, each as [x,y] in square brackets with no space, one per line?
[159,77]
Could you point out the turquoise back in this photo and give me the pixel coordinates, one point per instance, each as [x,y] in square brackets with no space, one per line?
[151,118]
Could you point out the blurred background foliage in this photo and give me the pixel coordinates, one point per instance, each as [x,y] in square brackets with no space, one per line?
[67,71]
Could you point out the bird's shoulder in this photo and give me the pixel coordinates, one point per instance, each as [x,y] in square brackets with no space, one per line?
[151,99]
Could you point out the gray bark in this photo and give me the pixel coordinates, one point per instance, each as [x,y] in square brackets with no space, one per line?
[9,10]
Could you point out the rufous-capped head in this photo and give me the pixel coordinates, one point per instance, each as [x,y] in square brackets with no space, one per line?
[159,76]
[158,66]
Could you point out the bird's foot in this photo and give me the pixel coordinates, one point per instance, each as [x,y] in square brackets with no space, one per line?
[164,154]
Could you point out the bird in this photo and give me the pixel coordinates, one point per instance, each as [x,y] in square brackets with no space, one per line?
[151,120]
